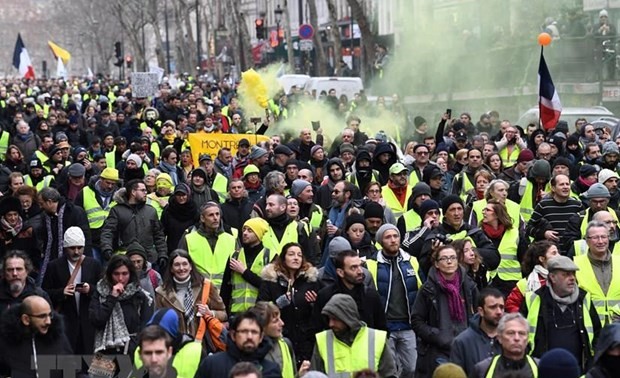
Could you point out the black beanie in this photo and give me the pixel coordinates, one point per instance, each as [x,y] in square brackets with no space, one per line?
[427,206]
[373,210]
[449,200]
[353,219]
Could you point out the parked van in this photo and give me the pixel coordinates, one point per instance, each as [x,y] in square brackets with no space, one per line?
[287,81]
[347,86]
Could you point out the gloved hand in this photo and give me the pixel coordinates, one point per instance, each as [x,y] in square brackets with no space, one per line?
[283,301]
[107,255]
[162,264]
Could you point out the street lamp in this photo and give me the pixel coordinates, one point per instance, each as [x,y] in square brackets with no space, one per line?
[278,13]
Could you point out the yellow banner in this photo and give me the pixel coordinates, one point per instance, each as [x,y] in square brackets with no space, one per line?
[205,143]
[59,52]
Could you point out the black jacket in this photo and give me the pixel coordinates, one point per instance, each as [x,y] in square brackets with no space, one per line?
[16,345]
[176,219]
[432,323]
[8,301]
[56,279]
[73,216]
[236,212]
[472,346]
[218,365]
[602,367]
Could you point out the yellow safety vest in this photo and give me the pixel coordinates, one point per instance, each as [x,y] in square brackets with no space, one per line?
[412,220]
[533,308]
[155,150]
[352,178]
[41,156]
[243,293]
[373,265]
[110,158]
[45,183]
[211,263]
[342,360]
[316,217]
[466,186]
[527,202]
[530,361]
[185,361]
[152,199]
[288,367]
[509,268]
[392,202]
[509,160]
[291,235]
[514,211]
[143,126]
[4,144]
[584,222]
[220,186]
[95,214]
[588,282]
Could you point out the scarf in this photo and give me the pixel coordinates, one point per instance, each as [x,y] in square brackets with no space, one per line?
[452,288]
[12,230]
[400,193]
[479,194]
[226,169]
[250,186]
[170,169]
[182,213]
[585,183]
[188,298]
[50,237]
[563,302]
[115,333]
[493,233]
[105,196]
[533,280]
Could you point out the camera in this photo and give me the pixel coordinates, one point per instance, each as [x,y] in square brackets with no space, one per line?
[445,239]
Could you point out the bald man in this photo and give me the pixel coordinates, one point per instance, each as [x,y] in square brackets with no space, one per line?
[32,322]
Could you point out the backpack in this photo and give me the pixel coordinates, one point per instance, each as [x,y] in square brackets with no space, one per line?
[210,329]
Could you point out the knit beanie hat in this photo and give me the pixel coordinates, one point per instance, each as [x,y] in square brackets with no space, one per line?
[136,159]
[164,181]
[419,189]
[167,319]
[541,168]
[347,147]
[561,161]
[354,219]
[419,121]
[298,186]
[373,210]
[558,362]
[382,229]
[610,148]
[427,206]
[525,155]
[315,148]
[606,174]
[74,237]
[135,248]
[257,153]
[258,225]
[597,191]
[587,170]
[314,374]
[451,370]
[449,200]
[338,244]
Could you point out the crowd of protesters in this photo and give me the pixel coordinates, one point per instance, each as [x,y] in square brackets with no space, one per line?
[481,250]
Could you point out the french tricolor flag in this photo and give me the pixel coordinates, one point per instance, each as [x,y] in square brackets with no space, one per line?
[21,59]
[549,104]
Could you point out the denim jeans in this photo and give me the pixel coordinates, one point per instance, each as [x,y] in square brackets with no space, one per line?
[405,352]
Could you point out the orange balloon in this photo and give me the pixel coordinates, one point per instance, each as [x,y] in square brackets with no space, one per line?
[544,39]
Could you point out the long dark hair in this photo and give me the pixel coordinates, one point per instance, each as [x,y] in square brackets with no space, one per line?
[534,252]
[196,278]
[116,262]
[280,264]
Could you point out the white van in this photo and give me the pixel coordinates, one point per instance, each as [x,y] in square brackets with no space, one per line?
[287,81]
[347,86]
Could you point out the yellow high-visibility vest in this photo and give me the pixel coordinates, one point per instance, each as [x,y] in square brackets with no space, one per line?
[393,203]
[603,303]
[95,214]
[211,263]
[243,293]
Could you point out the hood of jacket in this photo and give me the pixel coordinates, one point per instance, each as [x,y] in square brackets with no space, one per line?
[339,163]
[11,327]
[344,308]
[151,109]
[271,274]
[609,337]
[540,168]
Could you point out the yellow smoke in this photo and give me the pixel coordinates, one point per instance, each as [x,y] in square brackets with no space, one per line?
[256,88]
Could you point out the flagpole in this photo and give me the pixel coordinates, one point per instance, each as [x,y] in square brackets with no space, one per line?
[539,104]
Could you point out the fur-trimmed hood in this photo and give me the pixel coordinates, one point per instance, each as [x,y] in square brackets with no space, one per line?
[269,273]
[11,327]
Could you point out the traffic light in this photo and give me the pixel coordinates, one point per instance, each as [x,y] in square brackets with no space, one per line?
[117,50]
[260,28]
[129,61]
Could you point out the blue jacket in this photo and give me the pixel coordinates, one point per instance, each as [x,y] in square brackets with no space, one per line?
[384,283]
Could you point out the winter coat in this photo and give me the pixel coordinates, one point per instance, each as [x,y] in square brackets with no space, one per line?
[610,337]
[7,300]
[28,145]
[236,212]
[73,216]
[432,323]
[25,240]
[299,326]
[218,365]
[16,350]
[127,223]
[176,219]
[472,346]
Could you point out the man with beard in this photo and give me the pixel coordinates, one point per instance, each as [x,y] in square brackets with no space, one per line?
[612,226]
[349,336]
[363,174]
[464,181]
[242,276]
[156,352]
[302,190]
[16,285]
[282,230]
[422,155]
[397,191]
[28,332]
[335,174]
[610,178]
[411,219]
[246,342]
[350,281]
[96,200]
[69,282]
[479,340]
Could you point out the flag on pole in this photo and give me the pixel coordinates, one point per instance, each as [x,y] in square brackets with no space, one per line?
[21,59]
[59,52]
[90,75]
[549,104]
[61,71]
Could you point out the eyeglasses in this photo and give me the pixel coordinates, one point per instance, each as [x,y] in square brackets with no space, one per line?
[422,152]
[598,237]
[42,316]
[447,258]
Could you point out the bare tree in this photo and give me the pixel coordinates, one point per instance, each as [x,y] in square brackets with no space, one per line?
[321,57]
[335,31]
[368,38]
